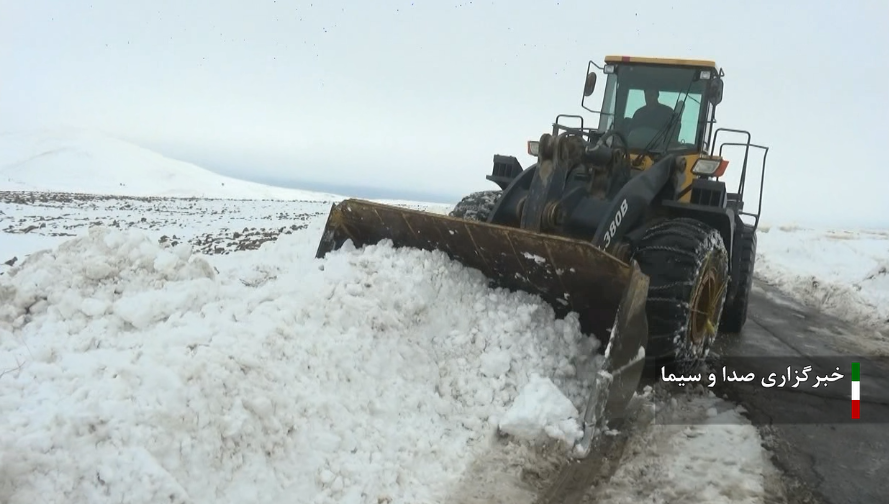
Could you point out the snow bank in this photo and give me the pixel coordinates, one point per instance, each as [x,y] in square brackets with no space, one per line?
[145,374]
[845,273]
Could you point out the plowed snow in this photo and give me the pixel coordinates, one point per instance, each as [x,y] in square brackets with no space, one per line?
[143,375]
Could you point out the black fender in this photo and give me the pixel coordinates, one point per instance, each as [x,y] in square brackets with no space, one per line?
[506,210]
[633,201]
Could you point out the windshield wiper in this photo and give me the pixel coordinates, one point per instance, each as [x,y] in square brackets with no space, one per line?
[649,149]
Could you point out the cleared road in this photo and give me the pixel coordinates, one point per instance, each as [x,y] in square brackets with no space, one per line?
[839,460]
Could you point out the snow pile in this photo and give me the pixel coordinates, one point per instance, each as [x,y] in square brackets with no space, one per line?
[845,273]
[541,411]
[145,374]
[74,160]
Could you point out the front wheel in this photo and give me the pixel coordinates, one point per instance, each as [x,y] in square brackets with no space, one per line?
[476,206]
[687,265]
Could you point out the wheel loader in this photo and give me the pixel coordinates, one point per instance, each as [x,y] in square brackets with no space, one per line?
[627,223]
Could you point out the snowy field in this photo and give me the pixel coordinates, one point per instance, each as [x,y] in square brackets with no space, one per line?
[192,350]
[843,272]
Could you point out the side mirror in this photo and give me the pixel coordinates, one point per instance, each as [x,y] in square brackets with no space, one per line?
[590,84]
[716,87]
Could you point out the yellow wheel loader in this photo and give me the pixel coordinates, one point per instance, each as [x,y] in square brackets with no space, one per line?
[626,224]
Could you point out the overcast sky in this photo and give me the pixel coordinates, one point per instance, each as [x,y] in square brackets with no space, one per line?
[419,95]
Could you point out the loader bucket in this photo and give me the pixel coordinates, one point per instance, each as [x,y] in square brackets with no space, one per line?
[571,275]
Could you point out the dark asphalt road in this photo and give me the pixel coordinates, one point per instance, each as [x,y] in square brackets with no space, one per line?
[841,461]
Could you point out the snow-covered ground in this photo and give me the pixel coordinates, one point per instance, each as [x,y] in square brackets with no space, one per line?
[703,451]
[34,220]
[843,272]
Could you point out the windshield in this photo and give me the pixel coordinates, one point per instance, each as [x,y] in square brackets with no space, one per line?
[657,108]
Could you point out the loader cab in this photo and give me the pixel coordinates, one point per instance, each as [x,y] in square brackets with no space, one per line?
[659,105]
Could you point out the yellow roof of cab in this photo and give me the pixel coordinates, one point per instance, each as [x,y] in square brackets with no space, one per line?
[660,61]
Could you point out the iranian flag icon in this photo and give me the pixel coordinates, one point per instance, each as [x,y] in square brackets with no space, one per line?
[856,391]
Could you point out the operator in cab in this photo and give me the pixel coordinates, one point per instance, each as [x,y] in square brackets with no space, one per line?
[653,114]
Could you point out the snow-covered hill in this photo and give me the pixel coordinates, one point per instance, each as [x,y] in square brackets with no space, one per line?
[72,160]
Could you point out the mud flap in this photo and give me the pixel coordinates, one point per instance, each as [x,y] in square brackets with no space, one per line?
[571,275]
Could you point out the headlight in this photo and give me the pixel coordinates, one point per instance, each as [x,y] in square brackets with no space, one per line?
[709,167]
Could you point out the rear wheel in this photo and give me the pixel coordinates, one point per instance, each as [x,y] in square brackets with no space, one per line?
[687,265]
[736,312]
[476,206]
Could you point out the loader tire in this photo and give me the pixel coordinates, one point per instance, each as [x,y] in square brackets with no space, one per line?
[476,206]
[687,265]
[735,313]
